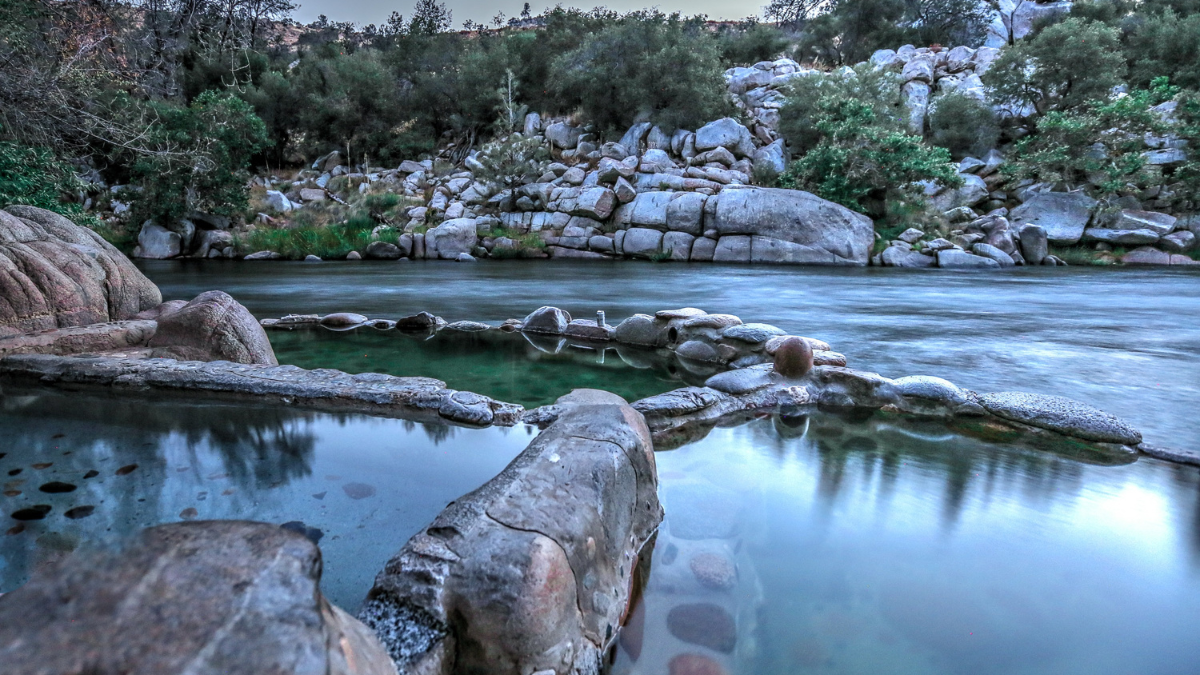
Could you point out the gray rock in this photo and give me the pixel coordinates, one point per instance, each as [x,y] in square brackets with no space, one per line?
[1187,457]
[272,255]
[1121,237]
[741,381]
[381,250]
[1063,215]
[826,233]
[633,139]
[213,327]
[157,242]
[1062,415]
[212,240]
[991,252]
[563,135]
[772,158]
[420,322]
[1129,219]
[725,133]
[531,572]
[911,236]
[312,258]
[641,330]
[697,351]
[685,213]
[919,69]
[1178,242]
[679,402]
[547,321]
[678,245]
[973,191]
[925,395]
[120,611]
[703,249]
[753,333]
[589,329]
[1034,244]
[342,320]
[467,326]
[451,238]
[642,242]
[915,95]
[901,256]
[956,259]
[278,202]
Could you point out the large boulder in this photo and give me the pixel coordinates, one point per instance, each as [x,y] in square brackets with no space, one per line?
[771,159]
[55,274]
[1062,415]
[1063,215]
[157,242]
[725,133]
[205,598]
[535,571]
[452,237]
[823,233]
[213,327]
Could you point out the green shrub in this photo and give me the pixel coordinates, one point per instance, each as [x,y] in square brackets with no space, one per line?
[1067,65]
[1099,142]
[749,42]
[645,65]
[34,176]
[962,124]
[513,160]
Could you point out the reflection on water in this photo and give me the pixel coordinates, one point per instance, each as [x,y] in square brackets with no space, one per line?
[884,546]
[1125,340]
[364,484]
[529,370]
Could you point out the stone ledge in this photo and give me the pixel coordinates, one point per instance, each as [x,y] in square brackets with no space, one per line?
[415,398]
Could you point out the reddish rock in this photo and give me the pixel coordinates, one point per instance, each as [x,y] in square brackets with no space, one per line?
[695,664]
[714,571]
[213,327]
[794,358]
[703,624]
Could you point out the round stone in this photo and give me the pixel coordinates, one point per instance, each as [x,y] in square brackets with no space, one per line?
[714,571]
[695,664]
[342,320]
[794,358]
[697,351]
[753,333]
[703,624]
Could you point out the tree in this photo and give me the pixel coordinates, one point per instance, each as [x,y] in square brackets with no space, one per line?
[429,18]
[793,13]
[962,124]
[513,160]
[749,42]
[1066,65]
[645,65]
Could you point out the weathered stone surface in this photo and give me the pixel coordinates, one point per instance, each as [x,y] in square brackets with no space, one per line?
[415,398]
[725,133]
[1121,237]
[955,259]
[933,396]
[992,253]
[641,242]
[97,337]
[1062,415]
[1146,256]
[468,326]
[827,233]
[900,256]
[157,242]
[703,249]
[563,135]
[531,572]
[641,330]
[740,381]
[732,248]
[207,598]
[685,213]
[55,274]
[714,571]
[753,333]
[1170,454]
[1063,215]
[698,351]
[420,322]
[451,238]
[793,357]
[213,327]
[678,245]
[382,250]
[1130,219]
[679,402]
[588,329]
[1034,244]
[342,320]
[703,624]
[547,320]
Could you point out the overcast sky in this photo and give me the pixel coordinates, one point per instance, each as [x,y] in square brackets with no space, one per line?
[363,12]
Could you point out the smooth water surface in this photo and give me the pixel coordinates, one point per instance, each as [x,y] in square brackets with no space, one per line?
[885,547]
[365,484]
[1125,340]
[527,370]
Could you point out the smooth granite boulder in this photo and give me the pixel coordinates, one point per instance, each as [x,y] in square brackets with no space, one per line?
[55,274]
[546,320]
[532,572]
[213,327]
[790,226]
[1063,415]
[1063,215]
[203,598]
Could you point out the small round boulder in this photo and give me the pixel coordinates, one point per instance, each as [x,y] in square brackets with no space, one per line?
[794,358]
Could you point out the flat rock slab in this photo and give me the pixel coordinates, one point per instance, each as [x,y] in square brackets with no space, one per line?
[204,598]
[1170,454]
[1062,415]
[417,398]
[98,337]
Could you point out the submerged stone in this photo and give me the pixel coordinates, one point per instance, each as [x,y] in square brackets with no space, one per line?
[703,624]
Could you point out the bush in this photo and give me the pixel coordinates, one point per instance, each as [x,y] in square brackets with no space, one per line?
[962,124]
[1099,143]
[202,152]
[851,30]
[1067,65]
[513,160]
[855,149]
[34,176]
[645,65]
[749,42]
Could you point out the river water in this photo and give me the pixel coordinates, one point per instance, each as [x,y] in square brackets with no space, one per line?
[830,545]
[1124,340]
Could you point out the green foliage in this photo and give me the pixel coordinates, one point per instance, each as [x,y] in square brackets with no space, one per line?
[1187,128]
[856,153]
[200,158]
[329,242]
[851,30]
[1098,142]
[749,42]
[644,65]
[804,108]
[1067,65]
[34,176]
[513,160]
[1167,45]
[962,124]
